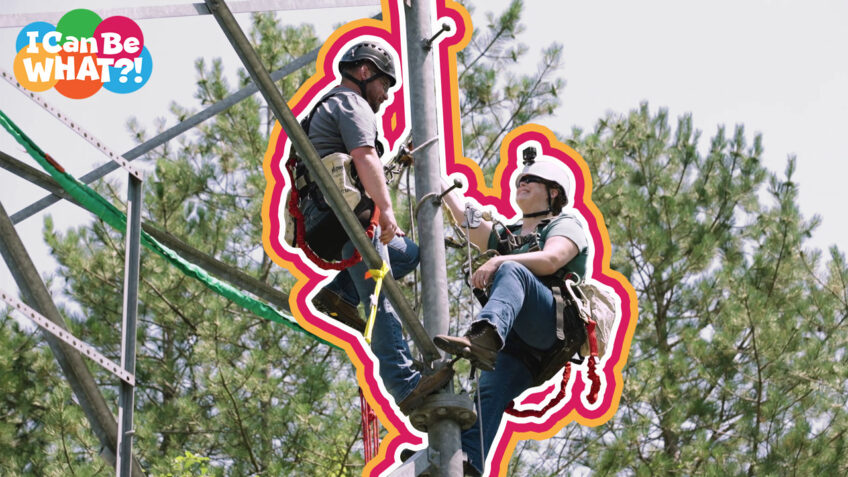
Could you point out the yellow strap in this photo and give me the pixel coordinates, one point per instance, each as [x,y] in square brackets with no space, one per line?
[377,275]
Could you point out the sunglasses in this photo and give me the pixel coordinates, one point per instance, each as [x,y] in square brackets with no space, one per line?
[530,180]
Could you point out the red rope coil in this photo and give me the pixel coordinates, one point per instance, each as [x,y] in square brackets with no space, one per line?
[593,377]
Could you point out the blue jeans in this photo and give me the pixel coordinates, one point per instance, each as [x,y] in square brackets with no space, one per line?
[387,340]
[519,304]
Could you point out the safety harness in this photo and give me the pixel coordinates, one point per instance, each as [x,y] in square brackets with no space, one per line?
[572,329]
[323,241]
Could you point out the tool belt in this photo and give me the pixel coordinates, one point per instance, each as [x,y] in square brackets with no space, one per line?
[323,232]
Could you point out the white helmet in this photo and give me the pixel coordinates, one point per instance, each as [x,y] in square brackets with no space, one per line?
[548,169]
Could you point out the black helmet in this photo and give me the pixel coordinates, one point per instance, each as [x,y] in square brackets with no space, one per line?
[374,53]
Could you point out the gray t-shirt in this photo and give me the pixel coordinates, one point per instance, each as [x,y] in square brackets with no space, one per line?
[342,123]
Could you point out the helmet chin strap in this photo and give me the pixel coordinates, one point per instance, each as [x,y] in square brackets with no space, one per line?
[542,213]
[362,84]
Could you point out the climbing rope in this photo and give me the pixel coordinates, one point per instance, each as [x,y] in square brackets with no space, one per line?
[592,360]
[591,336]
[370,429]
[466,234]
[475,378]
[377,274]
[468,245]
[417,299]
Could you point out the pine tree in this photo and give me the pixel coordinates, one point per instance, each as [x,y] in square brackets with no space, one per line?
[214,380]
[39,416]
[735,365]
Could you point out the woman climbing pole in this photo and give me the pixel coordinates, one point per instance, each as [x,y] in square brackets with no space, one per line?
[519,326]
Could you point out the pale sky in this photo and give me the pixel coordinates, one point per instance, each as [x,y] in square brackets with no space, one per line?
[778,67]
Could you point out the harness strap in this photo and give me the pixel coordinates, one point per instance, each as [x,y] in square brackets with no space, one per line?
[300,232]
[560,318]
[302,175]
[512,411]
[308,120]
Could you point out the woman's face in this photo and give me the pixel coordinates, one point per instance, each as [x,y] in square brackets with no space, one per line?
[532,194]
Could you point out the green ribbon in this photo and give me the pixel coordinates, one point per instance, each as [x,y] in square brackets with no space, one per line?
[110,214]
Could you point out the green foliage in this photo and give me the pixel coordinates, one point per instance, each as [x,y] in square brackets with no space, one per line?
[247,394]
[189,465]
[495,95]
[42,431]
[733,368]
[25,379]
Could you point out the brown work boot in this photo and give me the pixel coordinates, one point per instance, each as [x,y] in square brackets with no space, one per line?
[480,345]
[334,306]
[426,386]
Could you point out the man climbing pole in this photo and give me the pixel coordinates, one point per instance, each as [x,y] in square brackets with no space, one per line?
[517,331]
[344,121]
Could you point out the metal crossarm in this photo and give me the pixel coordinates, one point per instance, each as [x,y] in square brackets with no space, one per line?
[216,267]
[415,465]
[73,125]
[68,338]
